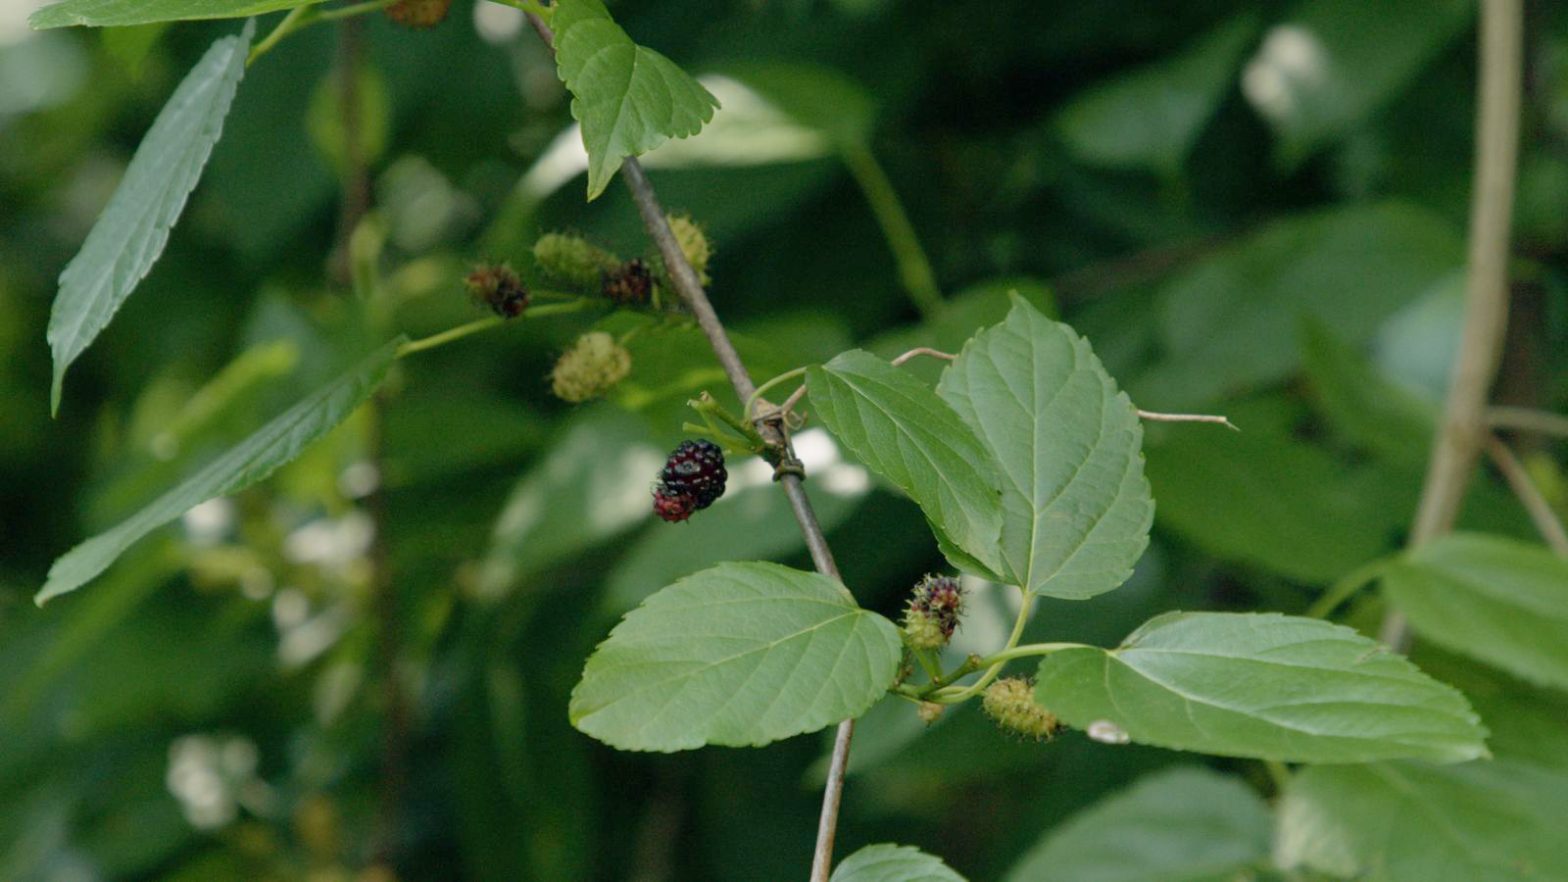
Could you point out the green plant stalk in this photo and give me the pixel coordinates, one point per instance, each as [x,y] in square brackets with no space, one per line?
[751,401]
[927,663]
[474,327]
[1345,588]
[914,267]
[301,17]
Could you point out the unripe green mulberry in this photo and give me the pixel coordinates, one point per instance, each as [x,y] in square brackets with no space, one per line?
[1010,702]
[573,260]
[592,367]
[694,243]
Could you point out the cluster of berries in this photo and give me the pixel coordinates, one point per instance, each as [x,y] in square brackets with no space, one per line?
[1010,702]
[693,478]
[933,612]
[498,287]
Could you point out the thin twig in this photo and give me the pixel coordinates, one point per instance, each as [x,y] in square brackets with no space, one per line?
[1154,417]
[923,350]
[1546,520]
[691,291]
[1463,428]
[1527,419]
[914,268]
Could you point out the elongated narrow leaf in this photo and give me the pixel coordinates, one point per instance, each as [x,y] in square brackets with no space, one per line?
[130,234]
[1261,685]
[1181,825]
[1075,505]
[1494,599]
[740,655]
[899,428]
[893,863]
[629,99]
[105,13]
[1497,821]
[248,462]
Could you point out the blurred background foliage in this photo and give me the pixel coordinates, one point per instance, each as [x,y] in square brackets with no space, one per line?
[1248,208]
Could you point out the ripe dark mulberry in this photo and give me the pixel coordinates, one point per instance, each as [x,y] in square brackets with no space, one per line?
[629,284]
[692,479]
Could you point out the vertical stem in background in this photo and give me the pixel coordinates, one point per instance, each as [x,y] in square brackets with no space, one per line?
[354,205]
[914,268]
[1463,428]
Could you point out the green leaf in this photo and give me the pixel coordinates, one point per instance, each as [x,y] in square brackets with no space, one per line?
[107,13]
[130,234]
[629,99]
[1371,410]
[1266,499]
[1150,118]
[1334,63]
[1075,505]
[1494,599]
[738,655]
[819,98]
[248,462]
[900,429]
[1261,685]
[893,863]
[590,486]
[1231,322]
[1180,825]
[1498,821]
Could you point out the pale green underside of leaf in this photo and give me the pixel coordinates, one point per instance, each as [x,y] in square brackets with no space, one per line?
[893,863]
[105,13]
[1494,599]
[1180,825]
[133,229]
[1076,508]
[1499,821]
[628,99]
[1262,685]
[901,430]
[738,655]
[250,461]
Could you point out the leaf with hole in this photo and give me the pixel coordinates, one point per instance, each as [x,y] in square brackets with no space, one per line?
[133,229]
[738,655]
[250,461]
[1261,685]
[1498,600]
[629,99]
[902,431]
[1068,446]
[1179,825]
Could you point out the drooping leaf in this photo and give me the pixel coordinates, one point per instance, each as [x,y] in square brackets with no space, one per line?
[1498,600]
[629,99]
[819,98]
[112,13]
[1231,322]
[130,234]
[899,428]
[248,462]
[1334,63]
[893,863]
[1500,821]
[1151,117]
[1068,446]
[738,655]
[1180,825]
[1261,685]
